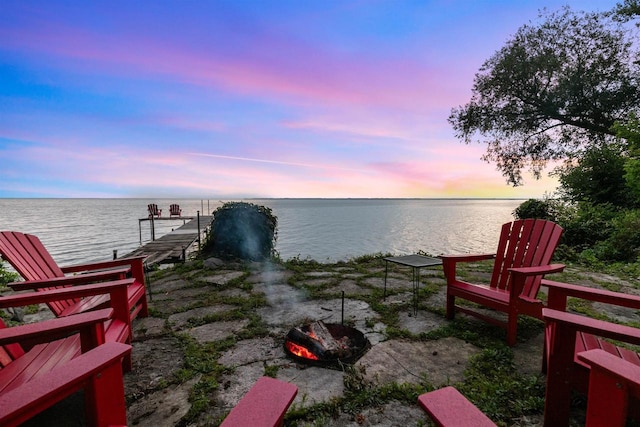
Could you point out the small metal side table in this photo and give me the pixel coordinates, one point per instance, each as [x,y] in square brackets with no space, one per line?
[416,262]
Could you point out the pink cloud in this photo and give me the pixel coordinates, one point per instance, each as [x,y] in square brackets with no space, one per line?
[129,172]
[187,123]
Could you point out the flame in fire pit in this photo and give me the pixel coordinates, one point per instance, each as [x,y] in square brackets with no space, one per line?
[300,351]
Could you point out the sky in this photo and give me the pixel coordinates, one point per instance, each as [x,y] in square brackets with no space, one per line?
[250,99]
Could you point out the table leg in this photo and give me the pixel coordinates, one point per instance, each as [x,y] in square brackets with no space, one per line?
[386,269]
[415,282]
[417,289]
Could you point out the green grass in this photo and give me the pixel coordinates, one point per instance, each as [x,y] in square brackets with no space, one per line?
[493,384]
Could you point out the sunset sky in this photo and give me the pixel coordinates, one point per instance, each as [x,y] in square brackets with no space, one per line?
[236,99]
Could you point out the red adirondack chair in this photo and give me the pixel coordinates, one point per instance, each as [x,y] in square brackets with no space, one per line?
[174,210]
[116,329]
[44,363]
[523,257]
[29,257]
[568,334]
[153,210]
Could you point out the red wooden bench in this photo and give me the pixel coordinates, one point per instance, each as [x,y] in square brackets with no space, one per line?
[568,334]
[174,210]
[153,210]
[28,256]
[522,259]
[612,383]
[448,407]
[117,327]
[264,405]
[41,364]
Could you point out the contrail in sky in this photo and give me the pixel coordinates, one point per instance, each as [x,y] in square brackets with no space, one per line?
[247,159]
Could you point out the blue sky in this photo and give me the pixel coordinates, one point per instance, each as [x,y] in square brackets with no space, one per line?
[233,99]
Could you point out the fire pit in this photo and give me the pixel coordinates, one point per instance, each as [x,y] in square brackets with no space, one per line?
[325,344]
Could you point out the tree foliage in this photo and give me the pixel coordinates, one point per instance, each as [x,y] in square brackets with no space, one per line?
[630,132]
[535,208]
[598,177]
[627,10]
[554,89]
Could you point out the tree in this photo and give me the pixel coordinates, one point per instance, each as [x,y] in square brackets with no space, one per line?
[553,90]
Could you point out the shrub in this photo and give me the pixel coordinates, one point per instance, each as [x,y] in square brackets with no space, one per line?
[535,208]
[589,225]
[624,242]
[242,230]
[6,276]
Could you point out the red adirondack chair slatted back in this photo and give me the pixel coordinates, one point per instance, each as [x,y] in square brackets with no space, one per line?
[524,243]
[174,209]
[153,209]
[28,256]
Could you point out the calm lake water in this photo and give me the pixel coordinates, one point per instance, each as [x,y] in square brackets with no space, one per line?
[326,230]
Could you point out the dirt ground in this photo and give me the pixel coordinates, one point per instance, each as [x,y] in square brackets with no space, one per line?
[198,305]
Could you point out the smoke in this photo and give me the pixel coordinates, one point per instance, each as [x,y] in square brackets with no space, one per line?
[279,294]
[242,230]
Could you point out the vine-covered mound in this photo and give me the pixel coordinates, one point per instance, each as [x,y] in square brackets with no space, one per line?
[242,230]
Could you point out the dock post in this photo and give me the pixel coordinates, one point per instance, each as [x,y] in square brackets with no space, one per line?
[115,254]
[153,230]
[199,242]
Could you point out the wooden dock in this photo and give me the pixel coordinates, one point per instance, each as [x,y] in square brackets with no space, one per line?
[174,246]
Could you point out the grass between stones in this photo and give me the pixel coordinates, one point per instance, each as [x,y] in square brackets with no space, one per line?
[490,379]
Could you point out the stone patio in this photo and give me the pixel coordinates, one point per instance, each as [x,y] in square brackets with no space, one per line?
[202,306]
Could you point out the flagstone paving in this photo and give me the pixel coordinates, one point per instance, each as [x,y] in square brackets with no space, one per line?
[387,361]
[202,307]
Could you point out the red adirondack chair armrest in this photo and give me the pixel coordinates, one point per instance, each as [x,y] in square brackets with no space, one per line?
[89,323]
[448,407]
[612,365]
[42,392]
[80,279]
[558,293]
[538,270]
[104,264]
[520,274]
[30,298]
[264,404]
[116,289]
[592,326]
[449,262]
[466,257]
